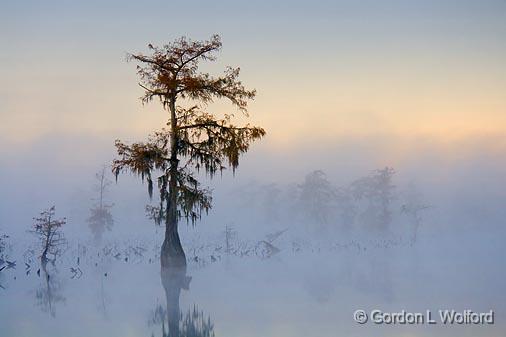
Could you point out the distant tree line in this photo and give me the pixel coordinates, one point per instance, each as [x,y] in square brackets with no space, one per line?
[370,203]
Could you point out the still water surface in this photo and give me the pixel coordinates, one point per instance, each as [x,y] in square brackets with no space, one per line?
[309,291]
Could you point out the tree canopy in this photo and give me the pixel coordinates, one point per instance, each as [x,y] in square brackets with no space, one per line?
[195,139]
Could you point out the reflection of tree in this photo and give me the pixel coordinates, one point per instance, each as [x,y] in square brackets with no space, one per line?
[100,219]
[174,322]
[192,323]
[49,294]
[173,280]
[103,297]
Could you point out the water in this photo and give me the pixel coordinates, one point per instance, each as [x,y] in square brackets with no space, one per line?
[309,291]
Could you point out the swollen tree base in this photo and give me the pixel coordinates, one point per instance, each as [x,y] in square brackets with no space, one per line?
[172,254]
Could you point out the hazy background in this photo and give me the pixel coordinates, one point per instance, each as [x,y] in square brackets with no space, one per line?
[343,86]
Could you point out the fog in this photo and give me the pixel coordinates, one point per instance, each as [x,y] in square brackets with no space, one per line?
[379,185]
[297,240]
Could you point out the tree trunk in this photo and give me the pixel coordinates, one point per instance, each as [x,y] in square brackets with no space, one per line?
[172,254]
[43,257]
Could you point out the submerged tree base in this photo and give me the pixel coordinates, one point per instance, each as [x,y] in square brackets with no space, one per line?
[172,254]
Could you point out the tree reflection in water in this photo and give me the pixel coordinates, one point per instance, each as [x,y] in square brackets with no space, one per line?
[49,293]
[174,322]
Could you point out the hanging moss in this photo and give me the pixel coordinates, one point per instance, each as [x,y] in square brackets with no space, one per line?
[195,140]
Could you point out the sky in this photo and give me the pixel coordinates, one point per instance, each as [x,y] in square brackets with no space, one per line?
[346,86]
[343,86]
[324,71]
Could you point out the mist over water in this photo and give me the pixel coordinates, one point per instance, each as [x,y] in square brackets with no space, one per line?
[272,258]
[380,184]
